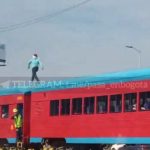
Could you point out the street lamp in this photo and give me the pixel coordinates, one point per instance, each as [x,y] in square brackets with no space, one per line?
[138,52]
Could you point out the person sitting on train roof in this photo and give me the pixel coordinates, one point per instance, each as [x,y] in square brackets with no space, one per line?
[18,124]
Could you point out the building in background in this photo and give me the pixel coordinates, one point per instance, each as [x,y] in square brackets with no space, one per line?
[2,55]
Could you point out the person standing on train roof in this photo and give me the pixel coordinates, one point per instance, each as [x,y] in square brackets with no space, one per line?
[34,64]
[18,124]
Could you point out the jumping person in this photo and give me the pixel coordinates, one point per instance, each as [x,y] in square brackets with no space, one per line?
[18,124]
[34,63]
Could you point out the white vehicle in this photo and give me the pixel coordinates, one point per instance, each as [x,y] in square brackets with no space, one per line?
[117,146]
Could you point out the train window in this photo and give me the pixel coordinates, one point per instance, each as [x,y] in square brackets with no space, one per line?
[102,104]
[115,103]
[54,107]
[65,107]
[89,105]
[76,105]
[5,111]
[20,108]
[144,101]
[130,102]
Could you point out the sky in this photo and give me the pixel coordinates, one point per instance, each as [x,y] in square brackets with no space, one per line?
[74,40]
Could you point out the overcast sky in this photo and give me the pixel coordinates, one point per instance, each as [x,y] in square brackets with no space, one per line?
[86,40]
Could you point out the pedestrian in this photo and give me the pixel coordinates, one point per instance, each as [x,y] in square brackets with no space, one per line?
[34,64]
[18,124]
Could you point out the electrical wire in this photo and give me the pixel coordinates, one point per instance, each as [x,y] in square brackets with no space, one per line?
[41,19]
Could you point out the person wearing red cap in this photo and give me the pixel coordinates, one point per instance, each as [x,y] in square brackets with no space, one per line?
[34,64]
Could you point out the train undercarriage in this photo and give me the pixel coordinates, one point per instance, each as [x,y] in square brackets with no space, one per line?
[51,144]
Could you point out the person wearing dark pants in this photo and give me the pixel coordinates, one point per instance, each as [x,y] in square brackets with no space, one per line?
[19,134]
[34,63]
[18,124]
[34,75]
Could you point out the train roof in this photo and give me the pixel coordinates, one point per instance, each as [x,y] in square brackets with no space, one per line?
[107,78]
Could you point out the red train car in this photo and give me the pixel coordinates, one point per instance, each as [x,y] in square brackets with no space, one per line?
[109,108]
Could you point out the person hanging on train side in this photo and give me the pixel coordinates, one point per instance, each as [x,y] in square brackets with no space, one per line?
[34,64]
[18,124]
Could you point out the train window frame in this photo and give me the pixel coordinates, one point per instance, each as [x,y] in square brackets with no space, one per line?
[65,107]
[130,102]
[88,106]
[54,107]
[144,101]
[101,104]
[113,103]
[76,106]
[5,115]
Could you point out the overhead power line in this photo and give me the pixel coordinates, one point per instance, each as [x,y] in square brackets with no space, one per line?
[41,19]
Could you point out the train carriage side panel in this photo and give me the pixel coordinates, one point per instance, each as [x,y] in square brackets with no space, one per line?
[107,125]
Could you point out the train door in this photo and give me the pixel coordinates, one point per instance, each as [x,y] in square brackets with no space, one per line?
[26,117]
[20,108]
